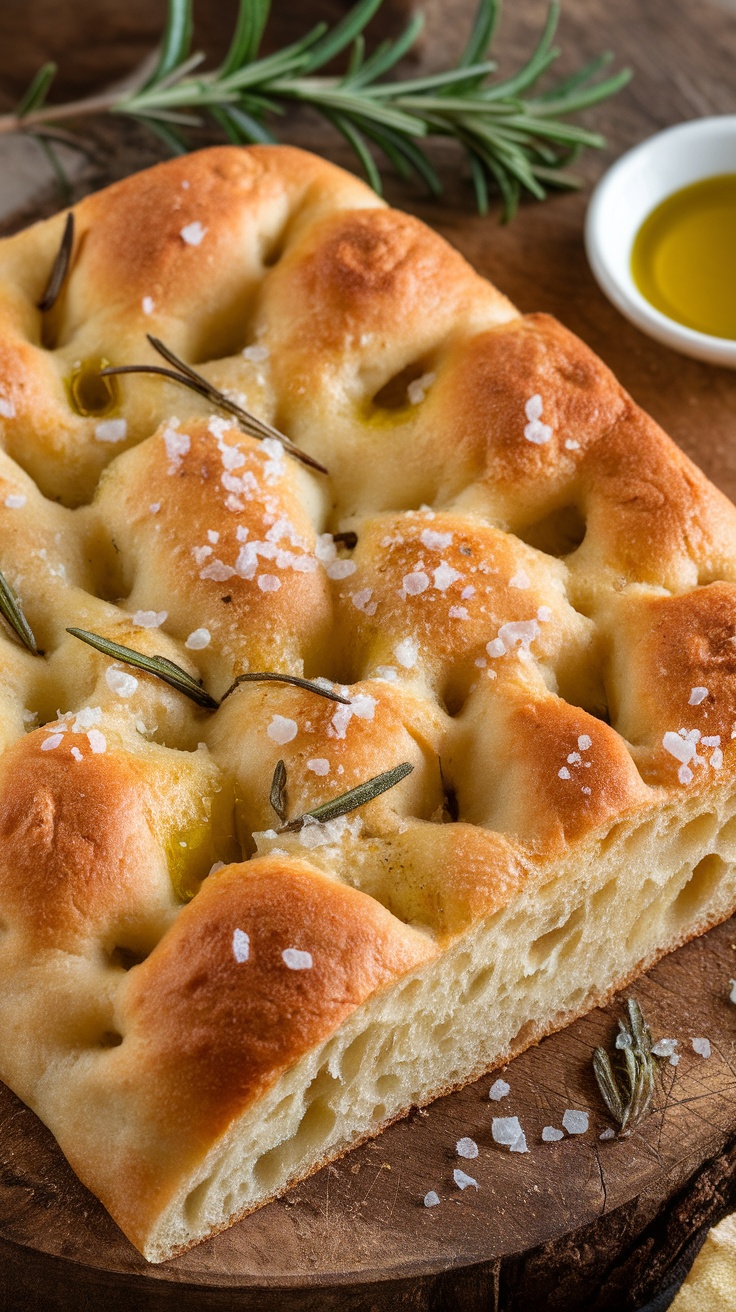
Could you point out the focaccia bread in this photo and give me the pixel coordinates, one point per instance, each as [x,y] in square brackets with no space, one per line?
[531,600]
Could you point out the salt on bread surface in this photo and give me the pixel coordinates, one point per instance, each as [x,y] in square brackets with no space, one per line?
[535,611]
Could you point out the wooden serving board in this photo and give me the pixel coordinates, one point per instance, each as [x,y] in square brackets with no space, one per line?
[571,1225]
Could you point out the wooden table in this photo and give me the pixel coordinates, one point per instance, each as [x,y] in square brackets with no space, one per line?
[572,1225]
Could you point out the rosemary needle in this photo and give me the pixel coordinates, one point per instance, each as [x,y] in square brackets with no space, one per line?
[278,790]
[628,1088]
[12,611]
[60,267]
[161,666]
[271,676]
[183,374]
[351,800]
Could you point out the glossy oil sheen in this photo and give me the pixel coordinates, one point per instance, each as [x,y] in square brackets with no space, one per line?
[684,256]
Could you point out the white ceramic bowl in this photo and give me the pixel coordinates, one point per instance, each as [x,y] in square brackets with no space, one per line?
[627,193]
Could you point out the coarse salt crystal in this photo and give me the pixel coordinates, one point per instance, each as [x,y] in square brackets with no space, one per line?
[571,444]
[414,583]
[15,501]
[149,305]
[608,1133]
[49,744]
[701,1046]
[77,754]
[550,1134]
[111,430]
[154,507]
[198,639]
[431,1199]
[120,682]
[697,695]
[506,1130]
[97,741]
[177,445]
[340,569]
[516,633]
[535,431]
[468,592]
[520,579]
[418,387]
[544,614]
[406,652]
[241,945]
[464,1181]
[664,1047]
[585,742]
[499,1090]
[319,765]
[564,773]
[281,729]
[683,749]
[7,409]
[576,1122]
[458,613]
[623,1040]
[269,582]
[362,601]
[435,541]
[466,1148]
[149,619]
[444,575]
[255,353]
[297,960]
[193,233]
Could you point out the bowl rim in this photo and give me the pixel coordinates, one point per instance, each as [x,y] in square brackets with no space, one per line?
[622,290]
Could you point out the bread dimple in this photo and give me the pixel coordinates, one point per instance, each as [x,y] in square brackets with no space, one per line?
[516,582]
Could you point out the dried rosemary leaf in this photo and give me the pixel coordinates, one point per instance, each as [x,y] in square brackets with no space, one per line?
[182,373]
[12,611]
[60,267]
[272,677]
[278,790]
[161,666]
[351,800]
[627,1085]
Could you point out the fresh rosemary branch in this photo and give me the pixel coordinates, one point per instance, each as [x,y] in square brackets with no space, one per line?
[515,138]
[628,1086]
[60,267]
[351,800]
[12,611]
[183,374]
[161,666]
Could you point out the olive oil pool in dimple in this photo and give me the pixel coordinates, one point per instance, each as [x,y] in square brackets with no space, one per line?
[684,256]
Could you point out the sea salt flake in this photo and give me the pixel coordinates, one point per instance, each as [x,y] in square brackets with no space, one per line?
[269,582]
[574,758]
[550,1134]
[111,430]
[281,729]
[434,541]
[564,773]
[49,744]
[213,536]
[685,774]
[664,1047]
[149,619]
[431,1199]
[623,1040]
[193,233]
[675,1059]
[585,790]
[319,765]
[576,1122]
[682,749]
[585,742]
[406,652]
[506,1130]
[97,741]
[154,507]
[7,409]
[340,569]
[544,614]
[120,682]
[241,945]
[217,570]
[533,407]
[177,445]
[444,575]
[15,501]
[198,639]
[571,444]
[466,1148]
[297,960]
[255,353]
[499,1090]
[701,1046]
[362,601]
[520,579]
[519,633]
[467,592]
[464,1181]
[458,613]
[417,389]
[86,718]
[77,754]
[148,304]
[414,583]
[697,695]
[608,1133]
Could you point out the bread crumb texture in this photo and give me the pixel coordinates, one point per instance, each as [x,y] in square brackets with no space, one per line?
[518,583]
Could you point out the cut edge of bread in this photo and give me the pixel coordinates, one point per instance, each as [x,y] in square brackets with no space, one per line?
[609,913]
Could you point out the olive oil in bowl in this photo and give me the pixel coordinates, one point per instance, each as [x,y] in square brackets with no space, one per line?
[684,256]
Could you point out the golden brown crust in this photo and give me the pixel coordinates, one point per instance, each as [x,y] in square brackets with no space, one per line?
[538,615]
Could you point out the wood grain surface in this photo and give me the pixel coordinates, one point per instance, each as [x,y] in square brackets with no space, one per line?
[580,1224]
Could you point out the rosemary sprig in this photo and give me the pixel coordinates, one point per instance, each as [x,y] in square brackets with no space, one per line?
[628,1086]
[186,376]
[12,611]
[60,267]
[271,676]
[351,800]
[161,666]
[515,139]
[278,790]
